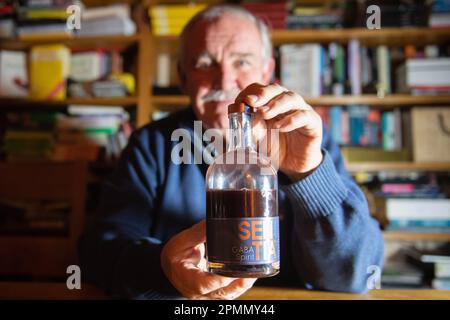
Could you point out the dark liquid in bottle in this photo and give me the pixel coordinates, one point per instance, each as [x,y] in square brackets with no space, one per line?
[244,203]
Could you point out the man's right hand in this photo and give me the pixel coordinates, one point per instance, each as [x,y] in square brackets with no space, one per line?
[184,264]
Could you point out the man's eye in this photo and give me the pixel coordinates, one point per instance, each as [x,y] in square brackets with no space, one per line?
[242,63]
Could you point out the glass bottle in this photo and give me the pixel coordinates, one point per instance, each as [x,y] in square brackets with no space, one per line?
[242,224]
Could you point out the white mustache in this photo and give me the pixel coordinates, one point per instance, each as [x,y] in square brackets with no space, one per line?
[220,95]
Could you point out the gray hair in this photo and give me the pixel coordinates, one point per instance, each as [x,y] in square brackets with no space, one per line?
[214,12]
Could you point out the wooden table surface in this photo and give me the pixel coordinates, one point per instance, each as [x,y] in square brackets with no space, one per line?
[260,293]
[57,291]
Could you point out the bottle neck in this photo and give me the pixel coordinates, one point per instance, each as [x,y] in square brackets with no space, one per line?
[240,131]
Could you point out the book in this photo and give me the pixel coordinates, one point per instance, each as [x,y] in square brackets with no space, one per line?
[383,67]
[13,74]
[7,28]
[103,123]
[107,26]
[428,211]
[120,11]
[88,66]
[441,284]
[337,62]
[355,68]
[358,115]
[50,65]
[104,110]
[43,13]
[439,20]
[428,72]
[336,129]
[301,68]
[173,11]
[442,269]
[171,19]
[399,273]
[388,131]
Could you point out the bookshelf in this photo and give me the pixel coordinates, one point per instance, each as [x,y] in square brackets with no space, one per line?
[390,37]
[400,100]
[120,101]
[139,42]
[47,254]
[119,42]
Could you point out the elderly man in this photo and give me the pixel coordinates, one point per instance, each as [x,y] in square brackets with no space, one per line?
[147,240]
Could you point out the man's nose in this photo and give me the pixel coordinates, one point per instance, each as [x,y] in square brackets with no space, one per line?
[226,77]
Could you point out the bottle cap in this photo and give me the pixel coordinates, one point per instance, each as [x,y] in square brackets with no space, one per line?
[240,108]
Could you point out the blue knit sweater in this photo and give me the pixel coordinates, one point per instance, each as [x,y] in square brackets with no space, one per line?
[328,239]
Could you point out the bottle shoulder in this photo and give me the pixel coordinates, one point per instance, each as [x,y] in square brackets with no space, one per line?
[240,169]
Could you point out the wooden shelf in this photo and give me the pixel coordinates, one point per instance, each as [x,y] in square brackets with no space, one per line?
[373,100]
[384,36]
[397,166]
[120,101]
[411,236]
[118,42]
[175,100]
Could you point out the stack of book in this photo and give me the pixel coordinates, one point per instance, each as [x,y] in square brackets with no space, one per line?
[99,73]
[107,20]
[426,76]
[414,203]
[7,22]
[91,133]
[273,13]
[435,264]
[37,18]
[316,16]
[440,14]
[399,273]
[170,19]
[87,133]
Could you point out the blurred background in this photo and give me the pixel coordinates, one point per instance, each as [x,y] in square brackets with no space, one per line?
[378,72]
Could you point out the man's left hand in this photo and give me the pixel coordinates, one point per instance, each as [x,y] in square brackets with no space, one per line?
[300,126]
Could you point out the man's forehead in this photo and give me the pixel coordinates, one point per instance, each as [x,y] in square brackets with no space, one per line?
[235,34]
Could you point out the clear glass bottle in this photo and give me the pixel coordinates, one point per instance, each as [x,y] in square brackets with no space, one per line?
[242,224]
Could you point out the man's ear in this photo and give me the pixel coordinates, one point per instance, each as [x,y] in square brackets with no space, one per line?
[268,71]
[182,78]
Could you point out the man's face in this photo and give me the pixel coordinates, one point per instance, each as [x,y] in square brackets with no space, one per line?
[222,57]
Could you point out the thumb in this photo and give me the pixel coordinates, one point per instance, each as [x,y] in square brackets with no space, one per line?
[193,236]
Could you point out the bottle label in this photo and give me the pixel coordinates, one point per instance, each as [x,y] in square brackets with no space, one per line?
[243,240]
